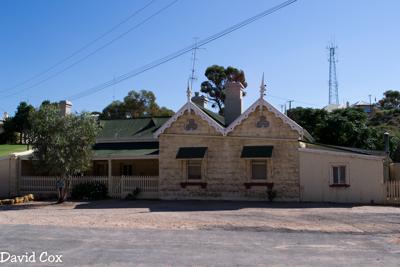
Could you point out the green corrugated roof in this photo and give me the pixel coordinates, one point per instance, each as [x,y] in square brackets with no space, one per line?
[218,118]
[138,128]
[257,151]
[124,153]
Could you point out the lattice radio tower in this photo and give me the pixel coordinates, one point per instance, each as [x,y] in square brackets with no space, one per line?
[333,82]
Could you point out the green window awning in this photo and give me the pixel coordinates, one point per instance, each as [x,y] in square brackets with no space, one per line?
[191,152]
[257,152]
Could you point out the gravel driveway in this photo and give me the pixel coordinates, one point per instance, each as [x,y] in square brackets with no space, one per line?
[206,233]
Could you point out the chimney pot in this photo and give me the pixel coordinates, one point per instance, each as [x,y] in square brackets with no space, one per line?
[65,107]
[199,100]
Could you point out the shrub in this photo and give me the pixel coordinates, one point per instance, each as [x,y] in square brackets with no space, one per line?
[89,191]
[134,194]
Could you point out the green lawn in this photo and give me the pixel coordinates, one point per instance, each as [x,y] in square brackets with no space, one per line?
[8,149]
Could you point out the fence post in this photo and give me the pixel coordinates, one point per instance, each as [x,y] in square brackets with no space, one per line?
[122,187]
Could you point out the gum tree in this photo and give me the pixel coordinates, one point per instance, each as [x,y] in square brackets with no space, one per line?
[214,86]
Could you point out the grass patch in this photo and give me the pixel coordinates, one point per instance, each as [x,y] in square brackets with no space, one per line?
[8,149]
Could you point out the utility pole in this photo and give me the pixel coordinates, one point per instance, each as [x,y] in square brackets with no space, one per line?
[283,108]
[370,103]
[290,104]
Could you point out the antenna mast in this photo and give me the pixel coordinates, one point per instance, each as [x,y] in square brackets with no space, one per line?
[193,77]
[333,83]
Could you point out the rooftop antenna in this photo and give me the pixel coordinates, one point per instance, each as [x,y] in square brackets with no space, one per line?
[193,77]
[333,82]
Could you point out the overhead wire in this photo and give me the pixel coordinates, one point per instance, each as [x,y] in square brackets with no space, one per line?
[84,47]
[178,53]
[95,51]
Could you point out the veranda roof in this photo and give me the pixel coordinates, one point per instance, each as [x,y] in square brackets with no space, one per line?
[125,149]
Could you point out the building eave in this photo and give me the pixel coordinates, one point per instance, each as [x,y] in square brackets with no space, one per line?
[338,153]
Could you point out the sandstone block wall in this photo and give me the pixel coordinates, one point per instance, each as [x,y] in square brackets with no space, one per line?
[223,170]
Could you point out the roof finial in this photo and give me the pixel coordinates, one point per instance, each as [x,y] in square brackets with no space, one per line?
[188,93]
[189,97]
[262,93]
[262,87]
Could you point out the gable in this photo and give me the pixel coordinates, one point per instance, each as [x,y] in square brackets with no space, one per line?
[190,119]
[276,124]
[267,121]
[264,124]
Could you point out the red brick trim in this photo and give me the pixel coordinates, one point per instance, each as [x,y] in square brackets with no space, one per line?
[201,184]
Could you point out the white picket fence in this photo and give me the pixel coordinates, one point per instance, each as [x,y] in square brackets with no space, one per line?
[393,192]
[121,186]
[118,186]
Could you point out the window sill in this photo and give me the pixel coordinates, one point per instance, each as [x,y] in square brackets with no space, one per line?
[251,184]
[201,184]
[339,185]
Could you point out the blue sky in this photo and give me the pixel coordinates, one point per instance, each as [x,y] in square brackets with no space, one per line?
[289,46]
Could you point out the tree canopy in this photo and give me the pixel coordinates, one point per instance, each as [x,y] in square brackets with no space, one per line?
[344,127]
[62,144]
[214,86]
[391,100]
[18,124]
[135,104]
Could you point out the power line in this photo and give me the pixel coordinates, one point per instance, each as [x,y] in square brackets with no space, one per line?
[179,53]
[95,51]
[293,100]
[80,49]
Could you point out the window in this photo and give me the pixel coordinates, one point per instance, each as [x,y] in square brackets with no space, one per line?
[194,169]
[339,175]
[259,169]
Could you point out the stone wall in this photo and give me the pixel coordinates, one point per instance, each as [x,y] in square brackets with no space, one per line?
[223,170]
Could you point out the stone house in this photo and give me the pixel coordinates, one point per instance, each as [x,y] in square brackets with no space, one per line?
[206,156]
[198,154]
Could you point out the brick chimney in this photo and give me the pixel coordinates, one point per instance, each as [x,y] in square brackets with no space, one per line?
[200,101]
[65,107]
[233,101]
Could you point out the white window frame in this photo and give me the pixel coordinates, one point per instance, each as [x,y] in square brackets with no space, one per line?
[347,174]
